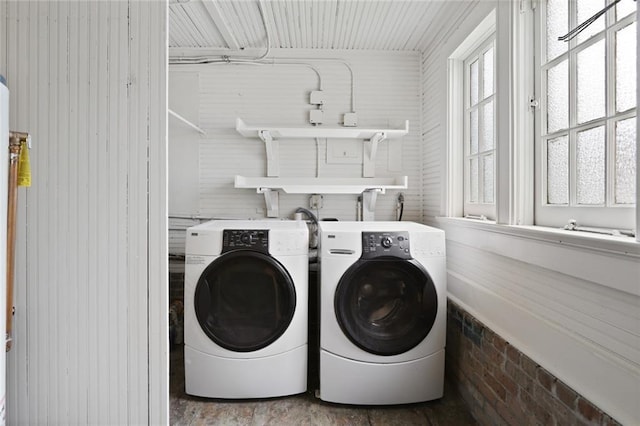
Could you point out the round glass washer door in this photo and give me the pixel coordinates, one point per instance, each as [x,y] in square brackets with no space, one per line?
[386,306]
[244,300]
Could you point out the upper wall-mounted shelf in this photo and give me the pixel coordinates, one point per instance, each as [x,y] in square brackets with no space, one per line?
[270,134]
[277,132]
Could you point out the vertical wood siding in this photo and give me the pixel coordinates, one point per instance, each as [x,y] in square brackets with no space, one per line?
[88,81]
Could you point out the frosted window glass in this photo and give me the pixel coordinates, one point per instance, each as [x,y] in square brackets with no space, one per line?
[557,97]
[624,8]
[557,25]
[473,132]
[586,9]
[590,166]
[487,75]
[626,161]
[558,170]
[626,68]
[486,143]
[473,180]
[591,83]
[487,178]
[473,83]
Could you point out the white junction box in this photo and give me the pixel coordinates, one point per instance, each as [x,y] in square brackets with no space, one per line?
[316,97]
[315,116]
[350,119]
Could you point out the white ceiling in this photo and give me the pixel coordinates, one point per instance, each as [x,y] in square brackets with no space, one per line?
[230,25]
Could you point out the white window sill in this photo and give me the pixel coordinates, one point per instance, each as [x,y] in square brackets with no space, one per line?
[612,261]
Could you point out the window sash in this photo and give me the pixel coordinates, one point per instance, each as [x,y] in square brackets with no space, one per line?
[607,214]
[477,205]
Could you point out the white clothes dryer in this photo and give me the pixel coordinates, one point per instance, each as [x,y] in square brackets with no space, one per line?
[382,312]
[246,295]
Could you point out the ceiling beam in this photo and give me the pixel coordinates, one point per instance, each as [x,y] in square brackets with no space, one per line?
[218,19]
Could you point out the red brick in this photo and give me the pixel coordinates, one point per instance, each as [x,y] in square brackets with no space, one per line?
[506,381]
[494,356]
[511,369]
[513,354]
[588,411]
[495,417]
[520,378]
[487,392]
[494,384]
[566,395]
[498,342]
[528,366]
[545,379]
[511,414]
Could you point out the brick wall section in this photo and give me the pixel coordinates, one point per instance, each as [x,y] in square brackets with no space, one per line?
[502,386]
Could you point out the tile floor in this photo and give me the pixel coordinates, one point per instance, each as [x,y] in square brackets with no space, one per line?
[305,409]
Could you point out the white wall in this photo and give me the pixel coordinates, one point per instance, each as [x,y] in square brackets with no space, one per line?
[386,91]
[88,81]
[572,308]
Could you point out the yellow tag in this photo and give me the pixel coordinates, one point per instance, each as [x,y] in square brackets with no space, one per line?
[24,167]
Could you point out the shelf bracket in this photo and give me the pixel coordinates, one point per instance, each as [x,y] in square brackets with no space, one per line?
[369,198]
[371,150]
[271,201]
[271,147]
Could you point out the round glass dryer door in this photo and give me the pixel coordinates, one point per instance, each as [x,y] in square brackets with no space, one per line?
[386,306]
[244,300]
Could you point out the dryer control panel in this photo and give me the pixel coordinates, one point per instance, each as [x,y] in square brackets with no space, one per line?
[376,244]
[245,239]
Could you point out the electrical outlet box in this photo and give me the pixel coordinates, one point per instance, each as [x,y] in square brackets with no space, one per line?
[350,119]
[315,201]
[315,116]
[316,97]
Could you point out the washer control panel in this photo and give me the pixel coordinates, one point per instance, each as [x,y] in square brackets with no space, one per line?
[376,244]
[245,239]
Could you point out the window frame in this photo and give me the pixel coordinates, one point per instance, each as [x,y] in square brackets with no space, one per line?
[609,214]
[479,208]
[456,114]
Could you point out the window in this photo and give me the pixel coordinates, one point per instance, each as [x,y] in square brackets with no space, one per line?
[471,124]
[479,135]
[586,126]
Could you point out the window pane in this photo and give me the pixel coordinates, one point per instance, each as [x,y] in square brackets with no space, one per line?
[486,142]
[557,25]
[557,97]
[558,170]
[473,132]
[626,161]
[591,83]
[586,9]
[487,75]
[624,8]
[487,178]
[473,180]
[473,77]
[626,68]
[590,166]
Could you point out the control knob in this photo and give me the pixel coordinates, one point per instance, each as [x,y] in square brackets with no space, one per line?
[245,238]
[386,242]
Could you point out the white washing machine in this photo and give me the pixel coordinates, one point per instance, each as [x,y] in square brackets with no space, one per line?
[382,312]
[246,295]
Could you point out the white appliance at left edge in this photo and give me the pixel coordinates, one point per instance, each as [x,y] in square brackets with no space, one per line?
[246,301]
[4,172]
